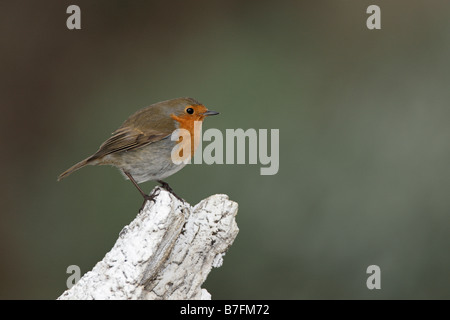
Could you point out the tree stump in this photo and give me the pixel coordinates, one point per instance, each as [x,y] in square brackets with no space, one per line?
[166,252]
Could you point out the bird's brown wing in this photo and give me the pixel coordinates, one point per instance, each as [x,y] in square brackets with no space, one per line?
[127,138]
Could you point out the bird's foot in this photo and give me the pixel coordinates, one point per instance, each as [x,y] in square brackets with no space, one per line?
[166,186]
[149,197]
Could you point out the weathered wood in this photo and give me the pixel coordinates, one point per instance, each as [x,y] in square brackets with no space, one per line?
[166,252]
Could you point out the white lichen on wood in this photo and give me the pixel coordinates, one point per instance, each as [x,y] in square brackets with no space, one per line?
[165,253]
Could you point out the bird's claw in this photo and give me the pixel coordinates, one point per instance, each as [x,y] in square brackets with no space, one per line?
[149,197]
[166,187]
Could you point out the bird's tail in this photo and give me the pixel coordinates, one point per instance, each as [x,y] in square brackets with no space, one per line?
[79,165]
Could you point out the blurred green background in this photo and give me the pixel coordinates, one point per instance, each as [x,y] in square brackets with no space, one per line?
[364,139]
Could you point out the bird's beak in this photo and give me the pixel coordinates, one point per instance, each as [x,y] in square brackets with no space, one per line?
[210,113]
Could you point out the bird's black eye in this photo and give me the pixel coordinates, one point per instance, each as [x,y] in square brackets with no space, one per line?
[190,110]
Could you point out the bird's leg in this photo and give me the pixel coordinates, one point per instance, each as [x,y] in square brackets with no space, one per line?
[147,197]
[135,184]
[166,186]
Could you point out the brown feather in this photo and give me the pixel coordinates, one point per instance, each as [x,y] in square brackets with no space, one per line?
[125,139]
[75,167]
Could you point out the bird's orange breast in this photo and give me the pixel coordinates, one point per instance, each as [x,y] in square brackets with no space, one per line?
[193,124]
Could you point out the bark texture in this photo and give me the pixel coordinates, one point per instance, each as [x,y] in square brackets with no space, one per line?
[166,252]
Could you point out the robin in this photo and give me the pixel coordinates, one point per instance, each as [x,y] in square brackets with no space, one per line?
[142,147]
